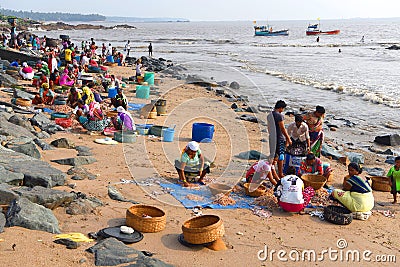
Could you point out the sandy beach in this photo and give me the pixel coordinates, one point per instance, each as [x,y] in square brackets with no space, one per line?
[246,234]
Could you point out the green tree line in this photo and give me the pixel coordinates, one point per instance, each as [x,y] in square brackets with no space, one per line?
[52,16]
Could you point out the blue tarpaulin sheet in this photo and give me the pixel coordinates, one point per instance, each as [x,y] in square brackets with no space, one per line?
[133,106]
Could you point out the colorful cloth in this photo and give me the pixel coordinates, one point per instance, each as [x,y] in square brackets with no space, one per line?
[316,139]
[359,185]
[395,174]
[87,95]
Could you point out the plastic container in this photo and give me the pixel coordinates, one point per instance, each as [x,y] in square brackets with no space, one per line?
[110,59]
[142,91]
[149,78]
[112,92]
[168,135]
[125,136]
[142,130]
[202,132]
[157,130]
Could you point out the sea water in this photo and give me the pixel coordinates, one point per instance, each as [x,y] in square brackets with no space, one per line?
[358,87]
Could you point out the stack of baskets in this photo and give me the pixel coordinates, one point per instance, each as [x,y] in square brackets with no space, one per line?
[203,229]
[146,219]
[314,180]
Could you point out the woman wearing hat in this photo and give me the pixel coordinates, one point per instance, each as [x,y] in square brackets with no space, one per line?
[192,162]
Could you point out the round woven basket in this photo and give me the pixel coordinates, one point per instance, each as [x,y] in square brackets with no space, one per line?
[256,193]
[203,229]
[314,180]
[135,218]
[381,183]
[338,215]
[23,102]
[217,188]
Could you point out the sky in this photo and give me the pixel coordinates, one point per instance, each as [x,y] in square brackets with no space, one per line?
[218,10]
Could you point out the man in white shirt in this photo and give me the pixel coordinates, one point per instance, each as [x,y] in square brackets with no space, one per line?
[109,50]
[128,48]
[299,134]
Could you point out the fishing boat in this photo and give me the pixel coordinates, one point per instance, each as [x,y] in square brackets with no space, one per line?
[11,54]
[267,31]
[314,29]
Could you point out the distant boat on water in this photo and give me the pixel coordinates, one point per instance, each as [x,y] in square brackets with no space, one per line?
[314,29]
[268,31]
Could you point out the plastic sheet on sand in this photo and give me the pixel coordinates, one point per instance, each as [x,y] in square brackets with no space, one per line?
[180,193]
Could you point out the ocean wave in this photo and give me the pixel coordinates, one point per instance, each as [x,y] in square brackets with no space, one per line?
[363,93]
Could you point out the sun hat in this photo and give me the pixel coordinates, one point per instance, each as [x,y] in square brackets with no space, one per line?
[193,145]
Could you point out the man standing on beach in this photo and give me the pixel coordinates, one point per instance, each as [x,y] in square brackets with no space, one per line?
[128,48]
[150,50]
[282,137]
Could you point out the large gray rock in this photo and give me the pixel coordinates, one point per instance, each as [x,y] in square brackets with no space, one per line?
[42,135]
[355,157]
[36,172]
[46,197]
[329,151]
[82,173]
[234,85]
[388,140]
[111,252]
[9,129]
[7,79]
[63,143]
[252,154]
[41,120]
[22,94]
[28,149]
[7,195]
[24,213]
[82,206]
[21,121]
[42,144]
[2,222]
[84,151]
[78,161]
[9,177]
[114,194]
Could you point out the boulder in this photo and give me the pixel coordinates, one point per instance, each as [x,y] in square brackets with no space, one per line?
[41,120]
[42,144]
[42,135]
[22,94]
[355,157]
[21,121]
[7,195]
[251,109]
[36,172]
[9,177]
[24,213]
[28,149]
[81,173]
[63,143]
[81,206]
[9,129]
[2,222]
[46,197]
[234,85]
[252,155]
[112,252]
[78,161]
[388,140]
[329,151]
[249,118]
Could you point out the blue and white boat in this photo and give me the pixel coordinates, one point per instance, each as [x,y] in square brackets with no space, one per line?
[268,31]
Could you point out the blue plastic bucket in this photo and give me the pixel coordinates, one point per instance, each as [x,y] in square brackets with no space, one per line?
[142,91]
[149,78]
[110,59]
[112,92]
[202,132]
[168,135]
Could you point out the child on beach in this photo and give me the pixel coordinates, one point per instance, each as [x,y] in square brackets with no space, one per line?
[394,175]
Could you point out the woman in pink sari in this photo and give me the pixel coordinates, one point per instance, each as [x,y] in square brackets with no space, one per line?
[65,79]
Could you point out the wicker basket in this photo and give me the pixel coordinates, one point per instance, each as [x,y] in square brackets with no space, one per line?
[314,180]
[381,183]
[338,215]
[23,102]
[203,229]
[256,193]
[135,219]
[217,188]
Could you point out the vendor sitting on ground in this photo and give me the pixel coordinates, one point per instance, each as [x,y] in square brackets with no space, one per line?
[45,96]
[66,78]
[73,97]
[39,82]
[192,162]
[290,193]
[26,72]
[123,121]
[359,198]
[264,172]
[313,165]
[81,109]
[95,120]
[87,95]
[119,100]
